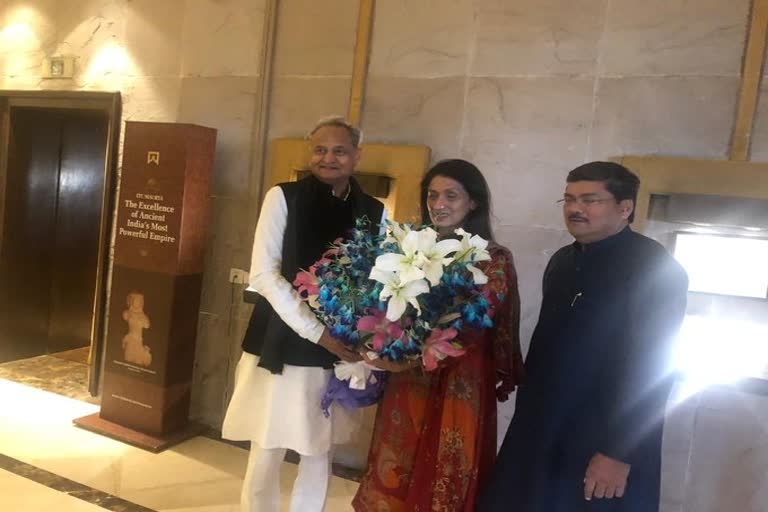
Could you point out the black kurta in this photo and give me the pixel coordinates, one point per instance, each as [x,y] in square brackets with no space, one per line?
[597,378]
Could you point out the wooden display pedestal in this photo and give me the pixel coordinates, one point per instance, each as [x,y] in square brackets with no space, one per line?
[162,225]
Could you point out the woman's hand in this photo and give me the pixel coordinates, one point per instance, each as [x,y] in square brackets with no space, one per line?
[391,366]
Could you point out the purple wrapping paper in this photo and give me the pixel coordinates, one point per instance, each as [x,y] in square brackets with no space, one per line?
[339,391]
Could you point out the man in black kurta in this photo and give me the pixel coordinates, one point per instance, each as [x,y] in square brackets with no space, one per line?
[587,429]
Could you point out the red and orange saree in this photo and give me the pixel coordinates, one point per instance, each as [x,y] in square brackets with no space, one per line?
[434,442]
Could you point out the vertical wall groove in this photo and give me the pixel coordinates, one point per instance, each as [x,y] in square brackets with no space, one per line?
[751,78]
[360,63]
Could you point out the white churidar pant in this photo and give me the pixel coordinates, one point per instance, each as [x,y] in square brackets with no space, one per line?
[279,412]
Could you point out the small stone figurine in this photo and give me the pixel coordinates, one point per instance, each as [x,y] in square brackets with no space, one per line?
[134,349]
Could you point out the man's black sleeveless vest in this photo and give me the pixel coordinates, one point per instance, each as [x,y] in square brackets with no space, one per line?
[315,219]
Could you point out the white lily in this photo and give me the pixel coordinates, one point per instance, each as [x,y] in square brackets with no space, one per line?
[408,264]
[477,275]
[434,254]
[400,294]
[423,256]
[474,248]
[395,233]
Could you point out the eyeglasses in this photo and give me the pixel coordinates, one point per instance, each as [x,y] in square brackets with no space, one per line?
[586,202]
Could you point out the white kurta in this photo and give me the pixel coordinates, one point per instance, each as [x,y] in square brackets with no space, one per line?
[283,411]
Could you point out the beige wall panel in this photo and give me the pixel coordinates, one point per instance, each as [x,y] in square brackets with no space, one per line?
[537,37]
[525,134]
[298,103]
[153,30]
[664,116]
[148,98]
[674,37]
[429,38]
[229,245]
[222,38]
[535,120]
[212,359]
[316,37]
[415,111]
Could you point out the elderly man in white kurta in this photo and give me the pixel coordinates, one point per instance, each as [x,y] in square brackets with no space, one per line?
[287,353]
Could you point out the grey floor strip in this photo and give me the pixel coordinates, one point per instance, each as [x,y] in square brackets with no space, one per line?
[70,487]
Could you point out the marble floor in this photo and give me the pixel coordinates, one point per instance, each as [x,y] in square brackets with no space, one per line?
[47,464]
[19,493]
[64,373]
[715,456]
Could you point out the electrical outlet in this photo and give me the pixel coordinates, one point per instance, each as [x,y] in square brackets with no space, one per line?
[238,276]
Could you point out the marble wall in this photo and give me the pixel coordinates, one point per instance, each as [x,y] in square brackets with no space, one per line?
[715,451]
[192,61]
[526,89]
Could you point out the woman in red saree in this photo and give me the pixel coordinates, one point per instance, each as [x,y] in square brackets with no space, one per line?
[434,442]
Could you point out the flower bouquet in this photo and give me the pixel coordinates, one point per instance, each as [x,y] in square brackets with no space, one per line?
[403,295]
